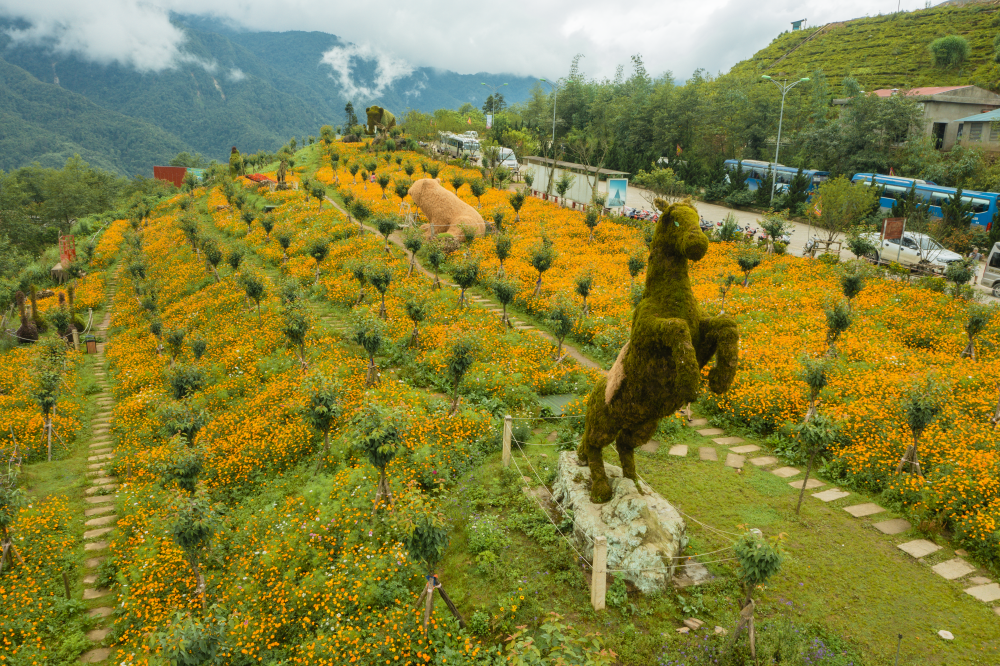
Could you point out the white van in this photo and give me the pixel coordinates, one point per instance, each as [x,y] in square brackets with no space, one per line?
[508,160]
[991,274]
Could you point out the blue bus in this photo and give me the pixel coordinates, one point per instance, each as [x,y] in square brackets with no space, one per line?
[758,170]
[984,204]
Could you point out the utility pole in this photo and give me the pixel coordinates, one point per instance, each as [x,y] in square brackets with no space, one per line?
[777,146]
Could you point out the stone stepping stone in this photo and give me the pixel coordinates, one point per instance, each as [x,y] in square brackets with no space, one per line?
[679,450]
[98,533]
[553,436]
[749,448]
[93,562]
[862,510]
[728,441]
[708,453]
[710,432]
[100,522]
[650,447]
[95,593]
[104,480]
[97,466]
[952,569]
[95,490]
[893,526]
[95,545]
[764,460]
[810,484]
[98,635]
[106,456]
[695,423]
[101,449]
[734,460]
[99,510]
[99,499]
[785,472]
[985,593]
[980,580]
[919,547]
[89,580]
[95,656]
[831,495]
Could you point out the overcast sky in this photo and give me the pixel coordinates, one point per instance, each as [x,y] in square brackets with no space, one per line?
[537,38]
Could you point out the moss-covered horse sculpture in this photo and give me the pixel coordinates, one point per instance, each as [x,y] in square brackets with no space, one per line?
[659,369]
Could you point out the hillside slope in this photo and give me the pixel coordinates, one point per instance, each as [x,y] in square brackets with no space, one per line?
[41,122]
[887,51]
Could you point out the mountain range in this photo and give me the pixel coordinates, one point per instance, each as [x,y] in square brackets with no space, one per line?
[252,90]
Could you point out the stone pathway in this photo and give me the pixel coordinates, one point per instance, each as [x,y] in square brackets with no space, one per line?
[956,568]
[99,515]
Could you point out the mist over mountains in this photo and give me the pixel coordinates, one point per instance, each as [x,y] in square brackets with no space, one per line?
[228,87]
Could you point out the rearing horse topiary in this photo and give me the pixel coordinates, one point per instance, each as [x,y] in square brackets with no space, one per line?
[659,368]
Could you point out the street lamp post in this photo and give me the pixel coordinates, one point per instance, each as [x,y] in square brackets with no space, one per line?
[495,93]
[784,88]
[555,100]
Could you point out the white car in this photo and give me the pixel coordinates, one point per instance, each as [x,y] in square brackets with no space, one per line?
[915,248]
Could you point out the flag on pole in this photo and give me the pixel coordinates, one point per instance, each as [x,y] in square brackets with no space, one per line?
[891,172]
[469,120]
[678,149]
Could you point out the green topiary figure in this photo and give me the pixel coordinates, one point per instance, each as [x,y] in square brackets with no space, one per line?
[659,369]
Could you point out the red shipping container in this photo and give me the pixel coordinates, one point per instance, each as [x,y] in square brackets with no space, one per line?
[171,174]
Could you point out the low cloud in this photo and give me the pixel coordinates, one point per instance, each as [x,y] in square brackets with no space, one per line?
[236,74]
[344,61]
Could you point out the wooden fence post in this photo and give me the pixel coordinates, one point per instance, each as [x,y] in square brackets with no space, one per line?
[507,423]
[66,583]
[598,582]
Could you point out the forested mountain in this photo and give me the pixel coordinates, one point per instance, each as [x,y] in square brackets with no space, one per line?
[251,90]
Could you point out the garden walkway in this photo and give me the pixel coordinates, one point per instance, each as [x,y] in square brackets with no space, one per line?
[738,453]
[100,515]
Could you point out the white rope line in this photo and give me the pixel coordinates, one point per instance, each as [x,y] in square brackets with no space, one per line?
[542,483]
[545,418]
[539,502]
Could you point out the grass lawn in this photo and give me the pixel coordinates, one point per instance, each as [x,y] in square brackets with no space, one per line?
[843,581]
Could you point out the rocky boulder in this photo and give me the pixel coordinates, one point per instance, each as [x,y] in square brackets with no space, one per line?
[645,534]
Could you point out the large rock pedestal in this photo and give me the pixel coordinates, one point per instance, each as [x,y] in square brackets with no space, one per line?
[645,533]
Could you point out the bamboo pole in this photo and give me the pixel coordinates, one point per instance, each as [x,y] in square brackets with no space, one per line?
[507,429]
[599,582]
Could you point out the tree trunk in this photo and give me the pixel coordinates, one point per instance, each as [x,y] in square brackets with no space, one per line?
[802,491]
[415,338]
[413,258]
[381,310]
[500,272]
[326,452]
[538,285]
[372,377]
[455,397]
[461,298]
[970,349]
[811,412]
[383,491]
[437,282]
[912,458]
[317,275]
[48,428]
[506,320]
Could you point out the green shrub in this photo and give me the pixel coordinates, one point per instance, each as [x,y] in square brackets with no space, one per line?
[486,534]
[949,51]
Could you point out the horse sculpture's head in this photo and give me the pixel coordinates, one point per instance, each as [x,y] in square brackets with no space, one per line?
[677,232]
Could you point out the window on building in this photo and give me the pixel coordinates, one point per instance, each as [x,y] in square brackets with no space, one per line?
[976,131]
[994,131]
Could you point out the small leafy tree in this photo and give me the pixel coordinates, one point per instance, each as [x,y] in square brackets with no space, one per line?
[563,184]
[175,343]
[413,240]
[435,257]
[319,192]
[369,333]
[380,277]
[759,560]
[499,218]
[192,531]
[636,262]
[253,285]
[851,284]
[541,259]
[959,273]
[516,200]
[748,259]
[505,291]
[383,180]
[318,250]
[838,320]
[386,225]
[409,169]
[561,318]
[360,211]
[432,169]
[730,229]
[813,373]
[322,412]
[466,274]
[285,241]
[591,219]
[860,245]
[921,404]
[296,328]
[267,223]
[584,283]
[198,346]
[949,51]
[248,218]
[46,394]
[502,244]
[185,380]
[725,284]
[979,318]
[184,470]
[359,271]
[353,168]
[461,356]
[402,187]
[178,418]
[457,181]
[379,436]
[775,227]
[235,258]
[478,187]
[417,312]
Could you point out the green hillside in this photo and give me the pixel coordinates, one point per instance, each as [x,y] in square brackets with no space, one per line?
[887,51]
[41,122]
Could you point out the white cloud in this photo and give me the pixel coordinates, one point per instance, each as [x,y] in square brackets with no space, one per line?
[674,35]
[236,74]
[344,60]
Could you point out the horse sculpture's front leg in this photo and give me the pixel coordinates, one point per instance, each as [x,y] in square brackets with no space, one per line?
[653,336]
[719,337]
